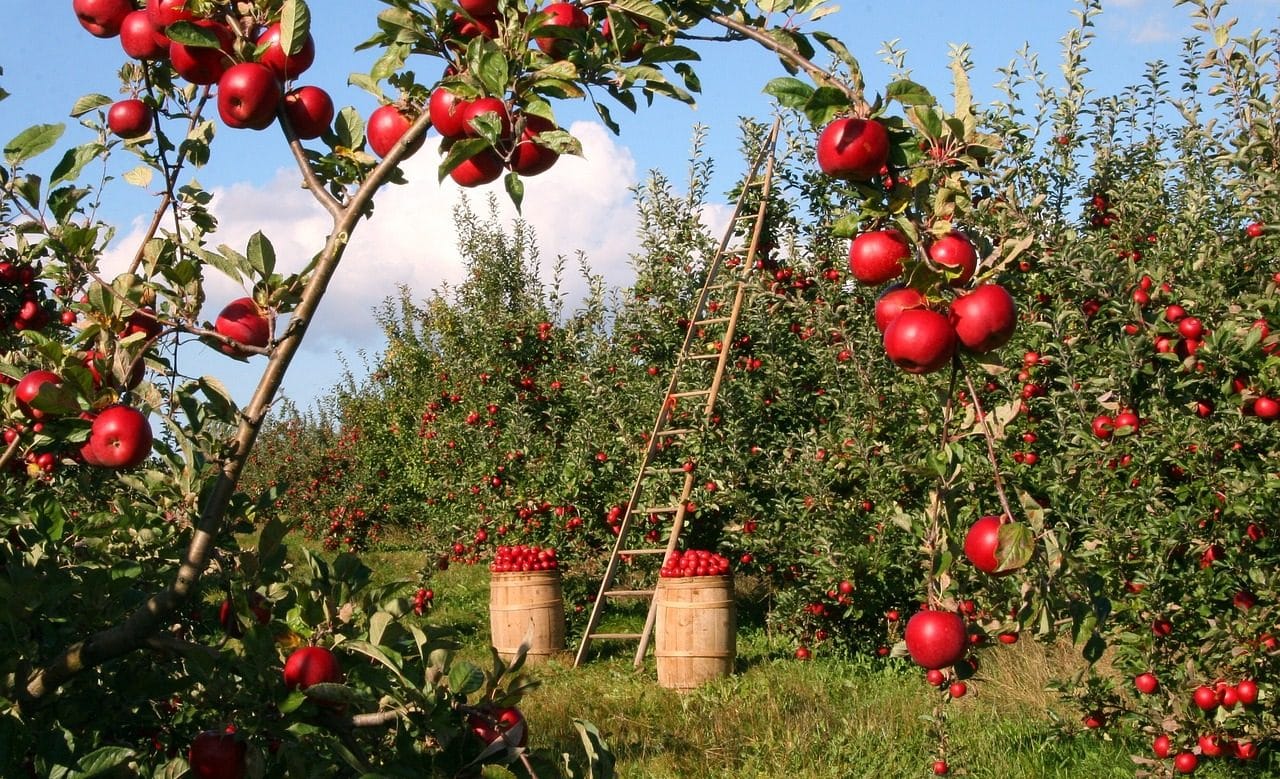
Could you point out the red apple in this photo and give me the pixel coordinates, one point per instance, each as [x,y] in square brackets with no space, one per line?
[920,340]
[936,639]
[1146,683]
[310,111]
[479,7]
[1162,746]
[528,158]
[241,320]
[1247,692]
[894,301]
[1255,229]
[310,665]
[248,95]
[217,755]
[853,148]
[985,318]
[492,724]
[1266,408]
[102,18]
[286,66]
[201,64]
[386,126]
[955,253]
[481,169]
[982,546]
[141,38]
[129,118]
[120,437]
[165,12]
[876,257]
[477,27]
[29,387]
[562,18]
[485,105]
[446,111]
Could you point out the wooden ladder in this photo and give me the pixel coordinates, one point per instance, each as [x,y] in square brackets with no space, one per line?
[740,260]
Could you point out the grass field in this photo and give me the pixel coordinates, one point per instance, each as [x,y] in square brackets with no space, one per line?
[779,717]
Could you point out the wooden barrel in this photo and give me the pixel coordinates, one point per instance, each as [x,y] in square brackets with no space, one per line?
[695,630]
[527,605]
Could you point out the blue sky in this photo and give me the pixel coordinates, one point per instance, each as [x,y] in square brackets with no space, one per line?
[49,61]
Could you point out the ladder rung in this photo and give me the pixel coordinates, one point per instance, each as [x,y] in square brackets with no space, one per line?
[675,431]
[707,356]
[629,593]
[655,469]
[660,510]
[691,393]
[616,636]
[643,551]
[715,320]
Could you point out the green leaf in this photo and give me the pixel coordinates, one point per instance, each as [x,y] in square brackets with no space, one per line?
[492,69]
[295,24]
[100,762]
[789,92]
[459,152]
[642,9]
[825,104]
[31,142]
[271,537]
[261,254]
[670,54]
[515,189]
[600,761]
[89,102]
[925,119]
[349,127]
[378,626]
[1094,648]
[189,34]
[371,651]
[140,176]
[1014,547]
[465,678]
[69,167]
[909,93]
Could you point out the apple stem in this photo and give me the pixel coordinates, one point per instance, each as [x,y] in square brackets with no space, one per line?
[989,436]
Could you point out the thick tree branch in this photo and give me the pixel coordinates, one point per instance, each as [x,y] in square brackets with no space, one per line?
[149,618]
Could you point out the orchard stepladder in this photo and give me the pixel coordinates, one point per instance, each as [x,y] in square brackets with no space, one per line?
[662,491]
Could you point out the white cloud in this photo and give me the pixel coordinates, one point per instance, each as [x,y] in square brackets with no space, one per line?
[580,204]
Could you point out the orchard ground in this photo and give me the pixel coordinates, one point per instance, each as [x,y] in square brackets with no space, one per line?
[779,717]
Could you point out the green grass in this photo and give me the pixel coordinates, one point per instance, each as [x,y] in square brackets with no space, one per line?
[778,717]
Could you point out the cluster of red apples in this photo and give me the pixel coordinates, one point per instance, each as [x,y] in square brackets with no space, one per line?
[921,333]
[453,115]
[249,67]
[524,558]
[694,562]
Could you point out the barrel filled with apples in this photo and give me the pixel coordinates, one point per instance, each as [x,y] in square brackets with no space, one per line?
[526,602]
[695,627]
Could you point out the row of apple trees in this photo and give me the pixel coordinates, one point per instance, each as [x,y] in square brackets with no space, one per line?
[1098,465]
